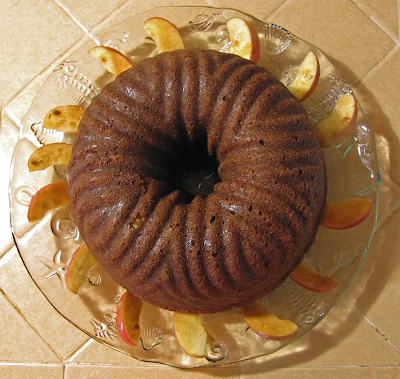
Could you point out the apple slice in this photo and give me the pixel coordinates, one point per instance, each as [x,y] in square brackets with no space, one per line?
[50,155]
[266,324]
[190,333]
[347,213]
[165,34]
[78,267]
[306,78]
[312,280]
[112,60]
[65,118]
[52,196]
[333,129]
[244,39]
[127,319]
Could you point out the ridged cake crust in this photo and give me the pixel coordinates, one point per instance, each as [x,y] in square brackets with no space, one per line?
[213,253]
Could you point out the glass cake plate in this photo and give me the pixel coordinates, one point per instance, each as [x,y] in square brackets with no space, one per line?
[46,246]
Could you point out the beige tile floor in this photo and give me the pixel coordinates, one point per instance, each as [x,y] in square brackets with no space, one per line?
[359,338]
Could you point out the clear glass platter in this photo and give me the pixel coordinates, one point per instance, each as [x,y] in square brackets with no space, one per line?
[46,246]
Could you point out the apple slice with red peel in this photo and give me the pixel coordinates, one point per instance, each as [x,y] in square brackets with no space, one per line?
[306,78]
[50,155]
[191,334]
[52,196]
[346,213]
[165,34]
[266,324]
[333,129]
[127,319]
[312,280]
[65,118]
[77,268]
[244,39]
[112,60]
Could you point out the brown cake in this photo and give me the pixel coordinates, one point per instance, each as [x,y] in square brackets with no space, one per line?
[173,113]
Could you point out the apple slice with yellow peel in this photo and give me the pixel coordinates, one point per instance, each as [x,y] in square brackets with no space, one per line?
[266,324]
[65,118]
[127,319]
[52,196]
[165,34]
[50,155]
[112,60]
[190,333]
[312,280]
[244,39]
[77,268]
[333,129]
[346,213]
[306,78]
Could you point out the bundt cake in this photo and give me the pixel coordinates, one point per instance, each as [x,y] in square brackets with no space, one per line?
[175,112]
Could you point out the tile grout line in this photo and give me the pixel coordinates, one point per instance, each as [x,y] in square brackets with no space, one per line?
[33,328]
[377,23]
[77,351]
[383,59]
[371,324]
[69,14]
[380,26]
[276,10]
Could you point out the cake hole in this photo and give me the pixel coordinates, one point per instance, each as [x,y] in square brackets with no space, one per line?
[212,219]
[198,178]
[261,142]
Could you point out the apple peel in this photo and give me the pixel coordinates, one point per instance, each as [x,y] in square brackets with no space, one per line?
[77,268]
[333,129]
[191,334]
[127,319]
[113,61]
[65,118]
[306,78]
[312,280]
[164,33]
[50,155]
[244,39]
[346,213]
[264,323]
[52,196]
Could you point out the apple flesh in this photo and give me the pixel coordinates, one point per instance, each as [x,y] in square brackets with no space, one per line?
[52,196]
[306,78]
[127,319]
[77,268]
[346,213]
[333,129]
[50,155]
[244,39]
[165,34]
[266,324]
[190,333]
[112,60]
[65,118]
[312,280]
